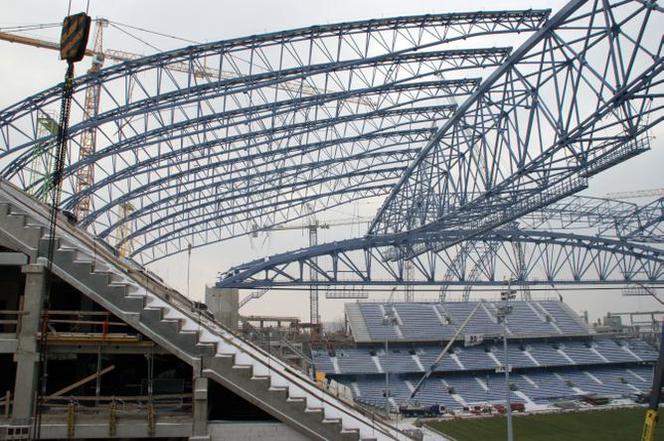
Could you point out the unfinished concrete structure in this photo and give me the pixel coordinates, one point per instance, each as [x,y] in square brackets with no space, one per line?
[127,357]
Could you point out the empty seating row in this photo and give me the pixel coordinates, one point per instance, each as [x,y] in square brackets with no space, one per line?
[401,359]
[539,386]
[440,321]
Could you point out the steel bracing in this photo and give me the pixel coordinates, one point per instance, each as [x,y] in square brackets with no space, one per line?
[542,258]
[604,217]
[208,141]
[578,97]
[470,144]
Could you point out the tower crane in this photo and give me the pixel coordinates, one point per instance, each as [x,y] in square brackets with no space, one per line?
[636,194]
[312,228]
[85,175]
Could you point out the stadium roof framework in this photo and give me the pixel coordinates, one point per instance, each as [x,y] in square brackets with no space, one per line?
[457,136]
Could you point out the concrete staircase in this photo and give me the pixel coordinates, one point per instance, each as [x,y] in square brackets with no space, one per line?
[171,321]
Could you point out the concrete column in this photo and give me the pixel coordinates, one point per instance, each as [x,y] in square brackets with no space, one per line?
[199,430]
[224,304]
[26,356]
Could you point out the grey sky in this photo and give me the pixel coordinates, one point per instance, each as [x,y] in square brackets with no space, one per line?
[26,70]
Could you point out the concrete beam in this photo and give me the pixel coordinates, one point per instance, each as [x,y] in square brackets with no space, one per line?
[13,259]
[93,348]
[8,343]
[128,429]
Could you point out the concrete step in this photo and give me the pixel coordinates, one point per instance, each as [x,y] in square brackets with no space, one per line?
[239,366]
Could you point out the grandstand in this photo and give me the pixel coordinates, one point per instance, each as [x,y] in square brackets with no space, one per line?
[552,352]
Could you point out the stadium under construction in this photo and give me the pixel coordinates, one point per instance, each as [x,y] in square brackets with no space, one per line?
[473,136]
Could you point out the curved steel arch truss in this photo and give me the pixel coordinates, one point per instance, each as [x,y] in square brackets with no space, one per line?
[578,97]
[205,142]
[542,258]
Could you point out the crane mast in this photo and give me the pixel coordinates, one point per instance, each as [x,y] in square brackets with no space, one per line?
[85,174]
[654,192]
[312,228]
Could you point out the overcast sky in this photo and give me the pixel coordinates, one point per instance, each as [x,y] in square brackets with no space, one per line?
[26,70]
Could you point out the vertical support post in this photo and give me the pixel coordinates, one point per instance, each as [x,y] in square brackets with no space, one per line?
[200,409]
[98,381]
[224,304]
[503,311]
[27,354]
[508,392]
[313,276]
[71,419]
[113,419]
[152,423]
[8,397]
[387,379]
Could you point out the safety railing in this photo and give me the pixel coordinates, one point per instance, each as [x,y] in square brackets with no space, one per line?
[10,321]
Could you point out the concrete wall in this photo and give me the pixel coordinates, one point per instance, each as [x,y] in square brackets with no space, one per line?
[224,304]
[252,430]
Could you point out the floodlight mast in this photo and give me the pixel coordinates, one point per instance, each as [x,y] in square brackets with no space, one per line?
[388,320]
[503,311]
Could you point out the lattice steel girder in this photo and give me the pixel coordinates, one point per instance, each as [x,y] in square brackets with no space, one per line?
[644,224]
[229,192]
[576,98]
[233,179]
[206,209]
[238,118]
[429,30]
[251,145]
[546,258]
[608,217]
[170,124]
[425,64]
[234,123]
[163,242]
[220,161]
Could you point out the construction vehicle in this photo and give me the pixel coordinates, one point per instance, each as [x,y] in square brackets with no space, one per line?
[652,415]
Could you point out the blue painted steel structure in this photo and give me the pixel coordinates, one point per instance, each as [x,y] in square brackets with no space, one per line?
[575,99]
[212,141]
[547,258]
[208,141]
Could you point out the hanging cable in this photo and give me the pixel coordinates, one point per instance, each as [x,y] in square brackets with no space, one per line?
[174,37]
[56,192]
[27,28]
[151,46]
[75,31]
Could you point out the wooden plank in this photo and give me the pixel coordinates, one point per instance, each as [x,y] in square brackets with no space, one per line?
[52,312]
[87,322]
[127,398]
[82,381]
